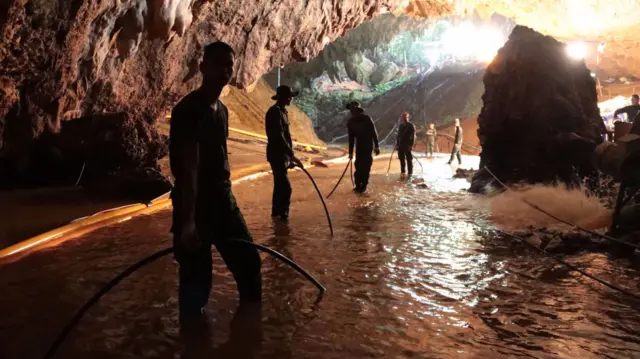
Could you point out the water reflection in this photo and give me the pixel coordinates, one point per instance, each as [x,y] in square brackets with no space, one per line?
[244,341]
[410,273]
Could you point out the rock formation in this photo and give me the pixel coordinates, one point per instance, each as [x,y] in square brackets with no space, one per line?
[384,73]
[64,60]
[359,68]
[537,99]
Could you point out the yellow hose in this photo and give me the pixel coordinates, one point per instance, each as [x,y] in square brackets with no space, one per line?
[259,135]
[71,227]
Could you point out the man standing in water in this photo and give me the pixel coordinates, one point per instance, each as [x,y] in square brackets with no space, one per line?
[362,133]
[404,143]
[457,144]
[280,151]
[631,111]
[204,208]
[431,139]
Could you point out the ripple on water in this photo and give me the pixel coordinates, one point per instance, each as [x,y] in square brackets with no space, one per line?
[410,273]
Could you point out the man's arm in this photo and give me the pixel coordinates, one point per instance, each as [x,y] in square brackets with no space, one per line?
[622,110]
[275,131]
[183,159]
[412,135]
[374,132]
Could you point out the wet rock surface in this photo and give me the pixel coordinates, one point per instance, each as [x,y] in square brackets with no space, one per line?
[464,173]
[537,102]
[65,60]
[115,153]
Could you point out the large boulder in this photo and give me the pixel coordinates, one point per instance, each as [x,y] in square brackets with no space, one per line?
[359,68]
[539,106]
[384,73]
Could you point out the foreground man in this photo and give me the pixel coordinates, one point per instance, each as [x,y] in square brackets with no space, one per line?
[431,139]
[363,133]
[457,144]
[404,144]
[204,208]
[280,151]
[631,111]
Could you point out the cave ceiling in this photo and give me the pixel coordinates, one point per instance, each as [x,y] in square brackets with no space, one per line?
[62,59]
[614,22]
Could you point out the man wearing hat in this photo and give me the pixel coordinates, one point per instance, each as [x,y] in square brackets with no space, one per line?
[363,132]
[404,143]
[280,151]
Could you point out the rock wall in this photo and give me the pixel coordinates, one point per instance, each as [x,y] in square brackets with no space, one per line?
[351,50]
[66,59]
[536,101]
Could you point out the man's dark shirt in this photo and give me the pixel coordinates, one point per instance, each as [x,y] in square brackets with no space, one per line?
[458,138]
[193,120]
[279,145]
[406,135]
[631,111]
[362,130]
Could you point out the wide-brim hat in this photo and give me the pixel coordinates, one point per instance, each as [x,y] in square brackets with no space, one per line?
[354,105]
[284,91]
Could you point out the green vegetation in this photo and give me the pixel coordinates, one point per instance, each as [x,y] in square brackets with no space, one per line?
[382,88]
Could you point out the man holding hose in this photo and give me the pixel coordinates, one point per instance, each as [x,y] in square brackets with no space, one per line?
[204,208]
[280,151]
[362,135]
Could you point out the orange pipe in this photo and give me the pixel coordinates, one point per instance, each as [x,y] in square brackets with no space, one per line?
[71,227]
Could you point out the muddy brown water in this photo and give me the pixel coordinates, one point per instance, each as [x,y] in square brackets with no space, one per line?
[410,273]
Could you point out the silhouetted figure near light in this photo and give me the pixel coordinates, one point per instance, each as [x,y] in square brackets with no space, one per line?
[457,144]
[631,110]
[404,143]
[362,133]
[280,151]
[431,139]
[205,210]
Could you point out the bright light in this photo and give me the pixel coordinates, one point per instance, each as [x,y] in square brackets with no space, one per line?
[469,41]
[577,50]
[490,41]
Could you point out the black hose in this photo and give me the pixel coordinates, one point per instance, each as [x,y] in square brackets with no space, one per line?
[81,173]
[571,266]
[390,158]
[339,180]
[76,318]
[594,233]
[326,211]
[152,258]
[557,259]
[417,160]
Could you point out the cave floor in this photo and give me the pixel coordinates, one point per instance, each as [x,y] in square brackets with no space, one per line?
[411,272]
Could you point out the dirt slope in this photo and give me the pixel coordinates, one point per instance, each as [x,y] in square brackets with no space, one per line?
[248,108]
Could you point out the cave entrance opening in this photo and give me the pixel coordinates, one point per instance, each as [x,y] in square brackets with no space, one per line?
[430,68]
